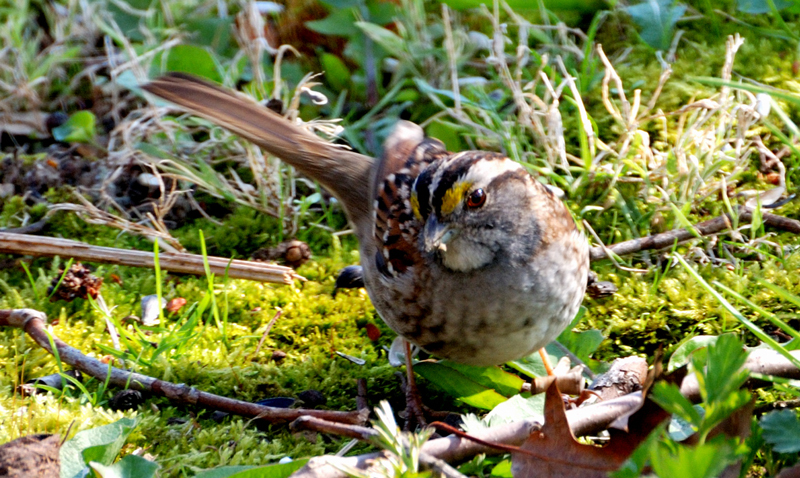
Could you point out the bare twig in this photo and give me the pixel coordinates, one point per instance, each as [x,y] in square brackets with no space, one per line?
[174,262]
[266,331]
[340,429]
[705,228]
[33,322]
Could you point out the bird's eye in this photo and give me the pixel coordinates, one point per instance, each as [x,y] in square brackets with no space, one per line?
[476,199]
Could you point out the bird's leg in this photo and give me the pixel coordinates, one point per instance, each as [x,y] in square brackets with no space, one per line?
[546,360]
[413,400]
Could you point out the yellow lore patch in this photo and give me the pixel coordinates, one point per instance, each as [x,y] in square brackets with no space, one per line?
[415,205]
[454,196]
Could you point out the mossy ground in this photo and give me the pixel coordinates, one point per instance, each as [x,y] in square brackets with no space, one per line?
[654,310]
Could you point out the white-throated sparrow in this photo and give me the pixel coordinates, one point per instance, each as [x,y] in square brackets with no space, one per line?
[464,254]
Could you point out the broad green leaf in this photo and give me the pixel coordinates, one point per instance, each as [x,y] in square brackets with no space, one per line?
[101,444]
[460,386]
[782,430]
[502,470]
[761,6]
[278,470]
[446,132]
[683,353]
[340,22]
[194,60]
[131,466]
[223,471]
[215,33]
[582,344]
[656,20]
[532,365]
[517,408]
[79,128]
[382,13]
[496,378]
[383,37]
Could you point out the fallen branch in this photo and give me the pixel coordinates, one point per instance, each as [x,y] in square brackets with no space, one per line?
[705,228]
[11,243]
[33,322]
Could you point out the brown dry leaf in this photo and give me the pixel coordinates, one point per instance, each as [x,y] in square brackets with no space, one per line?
[554,452]
[175,305]
[373,332]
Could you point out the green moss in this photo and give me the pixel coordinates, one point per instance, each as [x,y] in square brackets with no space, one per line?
[643,317]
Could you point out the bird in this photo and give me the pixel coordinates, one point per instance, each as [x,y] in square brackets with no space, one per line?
[464,254]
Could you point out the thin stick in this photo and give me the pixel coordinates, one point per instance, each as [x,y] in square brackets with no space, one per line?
[705,228]
[266,331]
[11,243]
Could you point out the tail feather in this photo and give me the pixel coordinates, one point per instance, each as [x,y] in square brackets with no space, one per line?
[344,173]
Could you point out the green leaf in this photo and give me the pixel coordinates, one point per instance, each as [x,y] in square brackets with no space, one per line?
[79,128]
[668,396]
[194,60]
[214,32]
[335,4]
[101,444]
[463,388]
[339,23]
[532,365]
[223,471]
[683,353]
[278,470]
[582,344]
[701,461]
[496,378]
[656,20]
[131,466]
[724,371]
[383,37]
[782,430]
[502,470]
[382,13]
[446,132]
[517,408]
[761,6]
[723,407]
[336,72]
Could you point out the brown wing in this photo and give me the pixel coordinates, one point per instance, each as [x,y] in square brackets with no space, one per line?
[406,153]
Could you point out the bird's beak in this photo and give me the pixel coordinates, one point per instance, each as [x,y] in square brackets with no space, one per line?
[437,235]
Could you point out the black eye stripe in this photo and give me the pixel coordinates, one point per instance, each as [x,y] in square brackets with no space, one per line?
[454,170]
[422,186]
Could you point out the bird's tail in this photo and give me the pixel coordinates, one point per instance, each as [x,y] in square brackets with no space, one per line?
[344,173]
